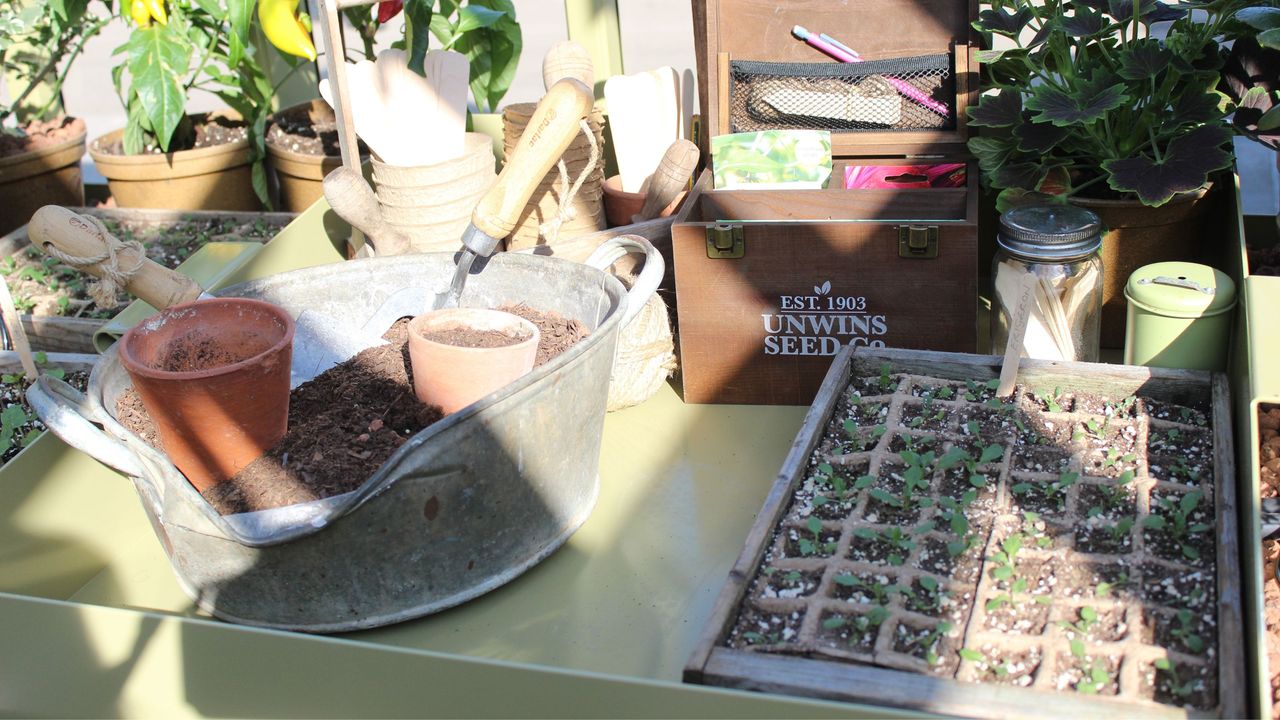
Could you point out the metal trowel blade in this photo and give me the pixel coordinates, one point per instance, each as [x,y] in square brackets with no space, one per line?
[321,342]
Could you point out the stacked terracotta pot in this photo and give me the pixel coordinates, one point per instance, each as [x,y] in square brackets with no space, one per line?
[586,209]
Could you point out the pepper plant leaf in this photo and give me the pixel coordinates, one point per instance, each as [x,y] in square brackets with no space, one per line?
[1000,110]
[158,58]
[239,12]
[1185,166]
[1002,22]
[1143,59]
[1090,101]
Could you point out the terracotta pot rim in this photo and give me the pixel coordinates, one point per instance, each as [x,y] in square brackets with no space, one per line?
[1179,198]
[415,327]
[28,155]
[277,151]
[613,186]
[134,366]
[169,158]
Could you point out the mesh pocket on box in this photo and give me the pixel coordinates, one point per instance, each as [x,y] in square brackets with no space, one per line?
[840,96]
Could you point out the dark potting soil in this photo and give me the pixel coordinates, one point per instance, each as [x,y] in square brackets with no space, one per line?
[206,132]
[301,132]
[1264,261]
[472,338]
[40,134]
[343,424]
[196,351]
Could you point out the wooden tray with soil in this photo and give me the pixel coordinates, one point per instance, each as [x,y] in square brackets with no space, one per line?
[344,423]
[19,425]
[930,546]
[57,312]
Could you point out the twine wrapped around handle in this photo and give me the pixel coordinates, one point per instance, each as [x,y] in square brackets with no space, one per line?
[112,279]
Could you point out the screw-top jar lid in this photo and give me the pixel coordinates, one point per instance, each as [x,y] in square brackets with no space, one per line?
[1050,232]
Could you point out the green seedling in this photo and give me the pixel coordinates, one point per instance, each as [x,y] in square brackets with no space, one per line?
[880,592]
[860,624]
[1005,561]
[1050,400]
[1114,495]
[972,655]
[886,382]
[901,543]
[1114,459]
[1120,529]
[812,547]
[1082,627]
[754,638]
[974,389]
[1033,529]
[11,418]
[972,427]
[1186,631]
[864,436]
[1095,678]
[1175,519]
[1056,490]
[1176,684]
[1104,589]
[931,595]
[1181,470]
[951,512]
[929,641]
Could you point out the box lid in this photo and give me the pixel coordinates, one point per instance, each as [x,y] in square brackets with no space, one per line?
[761,30]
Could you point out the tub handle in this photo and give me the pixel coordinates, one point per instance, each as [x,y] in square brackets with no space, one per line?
[613,249]
[67,414]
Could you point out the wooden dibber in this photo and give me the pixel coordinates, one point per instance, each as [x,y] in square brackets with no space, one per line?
[75,237]
[17,334]
[668,179]
[568,59]
[1017,331]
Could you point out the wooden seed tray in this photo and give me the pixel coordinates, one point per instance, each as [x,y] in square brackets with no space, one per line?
[823,602]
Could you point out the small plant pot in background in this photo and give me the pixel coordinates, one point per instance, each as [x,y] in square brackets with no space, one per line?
[452,376]
[219,177]
[214,377]
[298,141]
[620,205]
[48,175]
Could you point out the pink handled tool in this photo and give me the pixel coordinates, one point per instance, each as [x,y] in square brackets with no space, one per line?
[842,54]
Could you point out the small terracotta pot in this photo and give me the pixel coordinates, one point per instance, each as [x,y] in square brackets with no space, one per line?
[620,205]
[224,399]
[453,377]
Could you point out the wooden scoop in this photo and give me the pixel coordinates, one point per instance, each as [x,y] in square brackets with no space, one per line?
[668,179]
[353,200]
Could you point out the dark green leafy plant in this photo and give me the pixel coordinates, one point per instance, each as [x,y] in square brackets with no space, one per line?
[39,41]
[1090,102]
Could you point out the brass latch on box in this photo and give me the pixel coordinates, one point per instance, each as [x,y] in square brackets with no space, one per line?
[918,241]
[725,241]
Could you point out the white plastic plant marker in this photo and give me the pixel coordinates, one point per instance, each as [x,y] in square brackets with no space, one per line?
[643,123]
[445,132]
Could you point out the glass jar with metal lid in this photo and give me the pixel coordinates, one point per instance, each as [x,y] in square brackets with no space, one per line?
[1048,263]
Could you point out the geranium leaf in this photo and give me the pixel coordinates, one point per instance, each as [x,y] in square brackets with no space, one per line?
[1154,12]
[991,152]
[1024,175]
[1000,110]
[1018,197]
[1039,137]
[1091,100]
[1143,59]
[1260,18]
[1085,23]
[1185,166]
[1002,22]
[1191,108]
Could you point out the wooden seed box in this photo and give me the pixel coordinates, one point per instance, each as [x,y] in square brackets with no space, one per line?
[802,656]
[770,284]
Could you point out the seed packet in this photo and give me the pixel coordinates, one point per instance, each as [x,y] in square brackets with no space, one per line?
[772,160]
[898,177]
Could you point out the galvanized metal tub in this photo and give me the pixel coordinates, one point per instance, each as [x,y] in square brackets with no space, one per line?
[463,507]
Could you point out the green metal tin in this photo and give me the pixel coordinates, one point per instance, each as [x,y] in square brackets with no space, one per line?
[1179,316]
